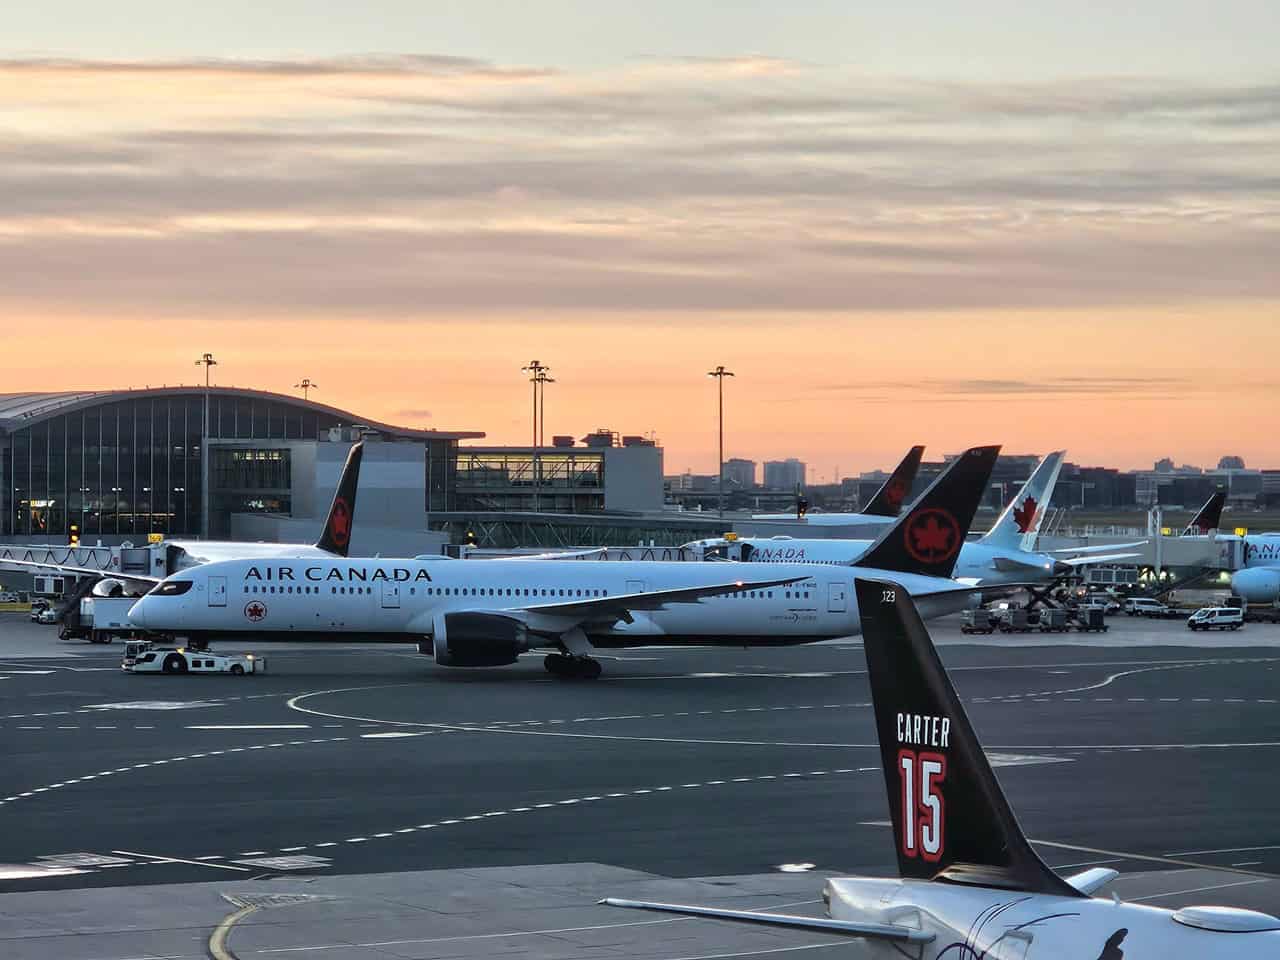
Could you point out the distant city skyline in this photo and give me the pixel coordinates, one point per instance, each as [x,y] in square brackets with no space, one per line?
[935,223]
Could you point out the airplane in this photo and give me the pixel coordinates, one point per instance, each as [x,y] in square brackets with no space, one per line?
[486,613]
[335,538]
[1259,580]
[1002,556]
[970,885]
[881,508]
[1208,518]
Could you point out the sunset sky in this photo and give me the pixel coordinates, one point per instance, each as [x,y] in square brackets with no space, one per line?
[911,223]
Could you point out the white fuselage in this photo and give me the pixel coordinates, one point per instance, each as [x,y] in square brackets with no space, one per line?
[1259,580]
[403,598]
[977,561]
[972,923]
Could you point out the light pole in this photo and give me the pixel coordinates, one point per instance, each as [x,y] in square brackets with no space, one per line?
[307,385]
[543,380]
[207,362]
[537,375]
[720,373]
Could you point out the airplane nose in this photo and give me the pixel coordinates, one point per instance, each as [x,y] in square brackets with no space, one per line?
[138,613]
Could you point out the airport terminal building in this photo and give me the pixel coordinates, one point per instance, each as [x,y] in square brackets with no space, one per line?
[128,465]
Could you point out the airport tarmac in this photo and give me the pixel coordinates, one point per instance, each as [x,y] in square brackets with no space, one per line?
[461,812]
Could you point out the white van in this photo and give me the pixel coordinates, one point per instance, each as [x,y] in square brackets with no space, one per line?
[1216,618]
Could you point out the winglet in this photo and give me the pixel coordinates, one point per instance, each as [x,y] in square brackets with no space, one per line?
[1209,517]
[1019,524]
[890,497]
[927,538]
[951,821]
[336,537]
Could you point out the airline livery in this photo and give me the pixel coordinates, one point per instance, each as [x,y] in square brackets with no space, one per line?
[484,613]
[1003,556]
[971,887]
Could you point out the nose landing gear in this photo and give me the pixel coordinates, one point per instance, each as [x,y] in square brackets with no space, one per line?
[572,667]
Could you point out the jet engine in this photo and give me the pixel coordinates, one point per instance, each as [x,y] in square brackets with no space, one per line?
[1259,585]
[478,639]
[109,587]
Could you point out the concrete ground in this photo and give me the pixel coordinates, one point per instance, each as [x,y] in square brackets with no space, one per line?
[448,813]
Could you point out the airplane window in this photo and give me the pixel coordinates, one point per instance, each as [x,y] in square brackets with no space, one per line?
[413,591]
[333,589]
[246,589]
[173,588]
[770,594]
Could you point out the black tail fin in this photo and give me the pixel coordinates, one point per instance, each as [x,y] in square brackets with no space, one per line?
[1209,517]
[889,498]
[927,538]
[951,820]
[338,525]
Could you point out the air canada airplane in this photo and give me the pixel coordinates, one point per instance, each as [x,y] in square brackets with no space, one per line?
[880,509]
[1259,581]
[1000,557]
[185,554]
[485,613]
[971,885]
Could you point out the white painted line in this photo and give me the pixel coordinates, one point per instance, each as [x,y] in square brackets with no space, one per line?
[249,726]
[198,863]
[396,734]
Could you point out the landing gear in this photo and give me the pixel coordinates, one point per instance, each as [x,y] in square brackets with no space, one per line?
[578,668]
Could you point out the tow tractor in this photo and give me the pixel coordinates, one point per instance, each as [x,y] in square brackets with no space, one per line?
[143,656]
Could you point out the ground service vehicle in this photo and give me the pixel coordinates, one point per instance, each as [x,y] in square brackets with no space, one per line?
[182,660]
[1216,618]
[1148,607]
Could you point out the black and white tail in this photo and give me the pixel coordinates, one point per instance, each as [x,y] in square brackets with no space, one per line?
[927,538]
[336,537]
[951,821]
[1209,517]
[889,498]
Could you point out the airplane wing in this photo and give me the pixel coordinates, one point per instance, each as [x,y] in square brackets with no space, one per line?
[624,603]
[1100,548]
[1099,558]
[86,571]
[566,555]
[877,931]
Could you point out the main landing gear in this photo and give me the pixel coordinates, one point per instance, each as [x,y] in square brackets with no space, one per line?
[579,668]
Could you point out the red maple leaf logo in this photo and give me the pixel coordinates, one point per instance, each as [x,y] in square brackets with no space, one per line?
[894,493]
[933,536]
[1025,515]
[340,525]
[255,610]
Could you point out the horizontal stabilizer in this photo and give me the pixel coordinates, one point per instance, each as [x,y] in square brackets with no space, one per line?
[876,931]
[1091,881]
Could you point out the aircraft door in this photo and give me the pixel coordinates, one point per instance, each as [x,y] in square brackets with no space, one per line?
[217,591]
[391,596]
[837,598]
[635,586]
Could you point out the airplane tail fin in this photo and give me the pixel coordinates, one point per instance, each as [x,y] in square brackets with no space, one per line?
[927,538]
[1209,517]
[1019,525]
[342,512]
[889,498]
[951,821]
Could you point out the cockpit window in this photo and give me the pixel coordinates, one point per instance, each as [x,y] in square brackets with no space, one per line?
[172,588]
